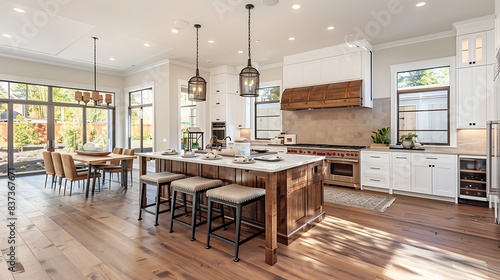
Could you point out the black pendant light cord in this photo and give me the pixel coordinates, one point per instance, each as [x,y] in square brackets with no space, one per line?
[249,7]
[95,64]
[197,28]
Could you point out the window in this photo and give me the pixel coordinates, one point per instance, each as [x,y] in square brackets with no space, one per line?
[188,115]
[141,120]
[423,104]
[267,113]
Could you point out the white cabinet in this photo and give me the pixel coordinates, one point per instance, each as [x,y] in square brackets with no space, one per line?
[375,169]
[218,113]
[226,104]
[401,172]
[473,89]
[471,49]
[434,174]
[351,66]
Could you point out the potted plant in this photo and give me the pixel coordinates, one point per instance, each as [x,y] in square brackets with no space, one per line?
[381,138]
[408,140]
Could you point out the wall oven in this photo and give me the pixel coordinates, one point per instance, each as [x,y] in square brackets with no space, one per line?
[343,172]
[218,130]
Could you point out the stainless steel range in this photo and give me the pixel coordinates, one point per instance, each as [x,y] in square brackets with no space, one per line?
[342,162]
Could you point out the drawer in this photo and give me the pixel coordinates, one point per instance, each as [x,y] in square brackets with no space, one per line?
[374,180]
[375,168]
[219,100]
[400,158]
[375,157]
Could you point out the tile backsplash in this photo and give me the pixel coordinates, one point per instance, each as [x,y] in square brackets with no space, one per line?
[341,126]
[354,126]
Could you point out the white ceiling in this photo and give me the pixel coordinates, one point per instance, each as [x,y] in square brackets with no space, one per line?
[60,32]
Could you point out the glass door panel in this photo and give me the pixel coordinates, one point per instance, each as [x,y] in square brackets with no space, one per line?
[68,128]
[98,128]
[135,129]
[4,138]
[30,136]
[147,129]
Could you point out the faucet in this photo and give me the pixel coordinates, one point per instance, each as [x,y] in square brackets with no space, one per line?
[216,143]
[228,137]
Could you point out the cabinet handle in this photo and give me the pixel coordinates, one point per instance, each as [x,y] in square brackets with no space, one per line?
[375,168]
[374,156]
[402,157]
[374,180]
[431,158]
[217,90]
[217,103]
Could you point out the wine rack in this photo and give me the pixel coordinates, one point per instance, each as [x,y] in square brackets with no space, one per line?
[472,180]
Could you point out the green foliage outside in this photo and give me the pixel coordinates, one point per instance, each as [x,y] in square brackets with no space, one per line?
[72,138]
[434,76]
[23,132]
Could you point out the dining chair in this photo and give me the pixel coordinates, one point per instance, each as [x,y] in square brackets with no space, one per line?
[109,165]
[49,168]
[58,167]
[72,174]
[118,168]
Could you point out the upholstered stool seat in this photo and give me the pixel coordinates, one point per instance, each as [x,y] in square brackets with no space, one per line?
[159,180]
[235,196]
[193,186]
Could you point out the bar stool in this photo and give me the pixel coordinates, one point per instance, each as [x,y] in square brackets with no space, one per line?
[235,196]
[193,186]
[156,179]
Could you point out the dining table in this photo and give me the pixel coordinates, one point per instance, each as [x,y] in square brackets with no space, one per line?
[99,158]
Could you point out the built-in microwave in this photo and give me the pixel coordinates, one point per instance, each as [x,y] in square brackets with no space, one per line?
[219,130]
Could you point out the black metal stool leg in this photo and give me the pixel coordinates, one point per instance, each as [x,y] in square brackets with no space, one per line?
[158,192]
[209,223]
[141,202]
[237,237]
[193,214]
[172,209]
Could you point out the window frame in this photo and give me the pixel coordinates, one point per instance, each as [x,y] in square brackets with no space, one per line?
[419,65]
[277,83]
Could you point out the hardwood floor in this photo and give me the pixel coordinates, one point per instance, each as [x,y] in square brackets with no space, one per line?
[62,237]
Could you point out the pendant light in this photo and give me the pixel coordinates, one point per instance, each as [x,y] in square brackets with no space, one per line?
[197,86]
[95,93]
[249,76]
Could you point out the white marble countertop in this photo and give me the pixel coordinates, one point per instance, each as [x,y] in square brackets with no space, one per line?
[429,150]
[289,161]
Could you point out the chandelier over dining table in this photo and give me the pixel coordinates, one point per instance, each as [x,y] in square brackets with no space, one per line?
[97,97]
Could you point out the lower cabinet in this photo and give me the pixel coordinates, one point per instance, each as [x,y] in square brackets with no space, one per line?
[411,172]
[434,174]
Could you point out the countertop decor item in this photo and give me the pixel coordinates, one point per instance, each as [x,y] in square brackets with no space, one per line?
[408,140]
[197,86]
[381,138]
[249,76]
[92,153]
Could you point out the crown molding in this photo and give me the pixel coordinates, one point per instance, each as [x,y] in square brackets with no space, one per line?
[415,40]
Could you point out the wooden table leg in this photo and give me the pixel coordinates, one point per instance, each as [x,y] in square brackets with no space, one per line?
[88,180]
[93,180]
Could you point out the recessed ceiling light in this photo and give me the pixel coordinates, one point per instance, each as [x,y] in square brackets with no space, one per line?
[147,45]
[291,38]
[112,58]
[175,30]
[296,6]
[331,27]
[7,35]
[240,51]
[420,4]
[19,10]
[257,41]
[211,41]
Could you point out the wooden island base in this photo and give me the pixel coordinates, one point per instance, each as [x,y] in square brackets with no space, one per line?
[299,193]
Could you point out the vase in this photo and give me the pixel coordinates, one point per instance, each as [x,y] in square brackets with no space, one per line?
[408,144]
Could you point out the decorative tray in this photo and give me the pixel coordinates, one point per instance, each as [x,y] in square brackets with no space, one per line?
[189,156]
[269,158]
[167,153]
[244,162]
[214,158]
[89,153]
[260,150]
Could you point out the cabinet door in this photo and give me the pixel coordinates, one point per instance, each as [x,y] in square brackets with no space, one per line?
[293,75]
[472,97]
[218,113]
[471,49]
[401,177]
[350,66]
[444,173]
[311,73]
[491,103]
[421,174]
[330,69]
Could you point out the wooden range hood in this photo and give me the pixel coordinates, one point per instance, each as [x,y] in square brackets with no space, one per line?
[343,94]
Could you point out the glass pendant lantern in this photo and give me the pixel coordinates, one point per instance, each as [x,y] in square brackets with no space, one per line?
[197,86]
[249,76]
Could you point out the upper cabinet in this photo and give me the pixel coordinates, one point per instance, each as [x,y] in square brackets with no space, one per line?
[471,49]
[330,65]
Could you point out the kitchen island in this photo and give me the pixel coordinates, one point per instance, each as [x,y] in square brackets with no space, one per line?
[294,191]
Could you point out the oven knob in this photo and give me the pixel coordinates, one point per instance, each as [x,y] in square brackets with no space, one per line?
[333,154]
[328,154]
[355,155]
[342,155]
[308,152]
[347,154]
[314,152]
